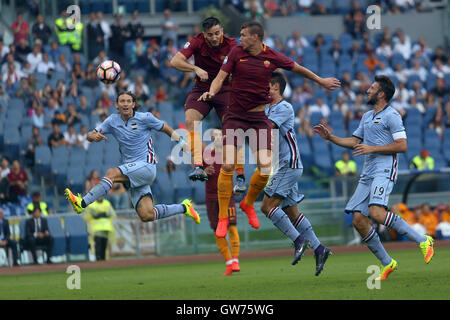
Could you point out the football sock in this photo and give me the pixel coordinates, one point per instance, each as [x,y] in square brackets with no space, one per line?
[101,189]
[166,210]
[303,226]
[224,191]
[234,241]
[257,184]
[239,166]
[222,244]
[195,143]
[373,242]
[398,224]
[282,222]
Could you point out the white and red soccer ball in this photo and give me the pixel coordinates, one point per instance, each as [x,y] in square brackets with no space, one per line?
[108,71]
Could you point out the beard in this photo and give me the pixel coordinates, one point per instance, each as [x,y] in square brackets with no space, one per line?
[372,100]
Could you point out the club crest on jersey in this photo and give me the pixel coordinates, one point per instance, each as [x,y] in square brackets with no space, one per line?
[134,126]
[377,120]
[266,63]
[186,45]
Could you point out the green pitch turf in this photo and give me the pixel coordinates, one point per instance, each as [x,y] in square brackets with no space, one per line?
[344,277]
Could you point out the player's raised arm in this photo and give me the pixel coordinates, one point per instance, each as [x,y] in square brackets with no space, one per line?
[327,83]
[323,131]
[175,136]
[180,62]
[216,85]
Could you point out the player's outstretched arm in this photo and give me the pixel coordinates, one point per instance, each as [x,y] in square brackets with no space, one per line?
[324,131]
[215,87]
[398,146]
[327,83]
[95,136]
[175,136]
[180,62]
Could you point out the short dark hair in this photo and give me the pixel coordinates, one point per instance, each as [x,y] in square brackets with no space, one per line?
[278,77]
[386,86]
[132,95]
[210,22]
[254,27]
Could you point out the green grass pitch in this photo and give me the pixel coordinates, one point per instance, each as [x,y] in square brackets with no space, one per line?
[344,277]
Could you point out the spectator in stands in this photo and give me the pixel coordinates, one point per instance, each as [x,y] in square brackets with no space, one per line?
[402,44]
[4,50]
[336,51]
[95,36]
[345,166]
[38,117]
[406,214]
[401,73]
[63,66]
[100,109]
[137,53]
[134,27]
[71,136]
[418,70]
[73,117]
[118,196]
[91,80]
[45,65]
[18,182]
[439,69]
[161,94]
[238,4]
[429,220]
[347,94]
[77,73]
[4,96]
[384,70]
[445,214]
[300,95]
[33,141]
[422,47]
[120,34]
[447,112]
[56,139]
[271,8]
[400,104]
[25,92]
[354,21]
[143,99]
[4,167]
[318,43]
[41,30]
[100,58]
[440,90]
[37,234]
[423,161]
[35,56]
[82,138]
[305,6]
[92,180]
[341,106]
[384,49]
[437,122]
[304,124]
[106,28]
[169,28]
[9,58]
[253,10]
[372,62]
[297,42]
[12,74]
[37,202]
[418,91]
[100,215]
[59,118]
[413,103]
[150,60]
[439,54]
[20,28]
[5,239]
[22,50]
[319,106]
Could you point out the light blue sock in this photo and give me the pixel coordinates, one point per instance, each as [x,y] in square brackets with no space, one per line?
[398,224]
[302,224]
[373,242]
[166,210]
[282,222]
[100,190]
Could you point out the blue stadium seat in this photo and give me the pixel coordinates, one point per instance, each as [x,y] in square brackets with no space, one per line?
[432,142]
[315,118]
[397,58]
[411,79]
[336,152]
[346,41]
[182,185]
[77,235]
[413,118]
[11,141]
[61,153]
[77,155]
[352,126]
[342,6]
[165,185]
[306,152]
[75,179]
[431,81]
[59,239]
[42,158]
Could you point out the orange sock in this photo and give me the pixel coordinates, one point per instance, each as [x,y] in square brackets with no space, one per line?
[257,184]
[195,143]
[222,244]
[234,241]
[224,191]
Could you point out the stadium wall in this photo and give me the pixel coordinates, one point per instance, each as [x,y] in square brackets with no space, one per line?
[429,25]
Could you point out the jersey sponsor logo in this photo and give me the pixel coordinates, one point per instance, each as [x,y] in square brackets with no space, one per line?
[266,63]
[134,126]
[186,45]
[377,120]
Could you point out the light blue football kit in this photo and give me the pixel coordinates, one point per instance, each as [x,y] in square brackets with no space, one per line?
[284,182]
[379,176]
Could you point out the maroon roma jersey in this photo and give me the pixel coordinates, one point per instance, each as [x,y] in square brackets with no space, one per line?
[251,76]
[208,58]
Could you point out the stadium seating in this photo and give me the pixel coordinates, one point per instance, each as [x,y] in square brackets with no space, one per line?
[77,235]
[59,239]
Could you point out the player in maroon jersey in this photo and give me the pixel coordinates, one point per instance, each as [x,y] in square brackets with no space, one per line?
[251,64]
[212,160]
[209,49]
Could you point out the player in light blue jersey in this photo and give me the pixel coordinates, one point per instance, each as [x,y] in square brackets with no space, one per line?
[281,194]
[133,130]
[379,137]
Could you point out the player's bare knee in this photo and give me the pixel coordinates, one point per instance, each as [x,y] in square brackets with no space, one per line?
[147,215]
[377,213]
[112,173]
[359,221]
[265,207]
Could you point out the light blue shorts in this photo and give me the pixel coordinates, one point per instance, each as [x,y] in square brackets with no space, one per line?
[141,175]
[370,191]
[284,184]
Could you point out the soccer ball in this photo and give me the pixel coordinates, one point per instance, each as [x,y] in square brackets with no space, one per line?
[108,71]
